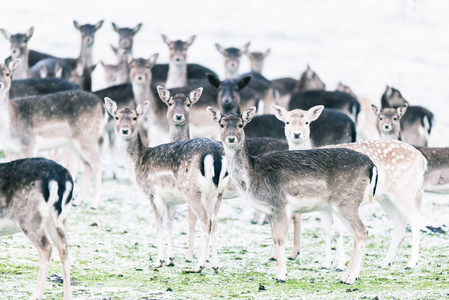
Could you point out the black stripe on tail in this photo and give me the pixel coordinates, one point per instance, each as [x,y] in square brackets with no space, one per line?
[217,156]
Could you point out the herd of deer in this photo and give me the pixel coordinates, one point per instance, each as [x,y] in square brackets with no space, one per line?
[289,147]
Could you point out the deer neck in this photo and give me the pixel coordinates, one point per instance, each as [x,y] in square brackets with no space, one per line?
[239,165]
[86,53]
[179,133]
[5,118]
[305,145]
[131,152]
[142,92]
[177,75]
[392,136]
[232,74]
[22,71]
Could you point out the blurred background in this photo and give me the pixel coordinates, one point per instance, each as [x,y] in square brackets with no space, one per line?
[364,44]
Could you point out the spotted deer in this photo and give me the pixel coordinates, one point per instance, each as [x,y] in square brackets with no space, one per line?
[257,60]
[73,119]
[416,123]
[19,51]
[35,198]
[389,121]
[285,182]
[398,192]
[436,177]
[192,171]
[178,114]
[125,41]
[177,67]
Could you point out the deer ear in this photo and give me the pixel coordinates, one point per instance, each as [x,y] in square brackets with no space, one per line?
[137,28]
[77,25]
[164,94]
[191,40]
[315,112]
[213,80]
[13,64]
[279,112]
[165,39]
[243,82]
[220,49]
[111,106]
[267,52]
[401,110]
[153,59]
[142,108]
[195,95]
[214,114]
[375,109]
[388,92]
[29,32]
[248,115]
[116,29]
[98,25]
[244,49]
[6,34]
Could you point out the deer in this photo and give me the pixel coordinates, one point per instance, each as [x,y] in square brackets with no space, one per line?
[35,198]
[72,119]
[258,83]
[19,51]
[125,42]
[256,59]
[286,86]
[193,171]
[399,189]
[308,94]
[115,74]
[285,182]
[39,86]
[177,67]
[436,178]
[366,121]
[416,124]
[178,115]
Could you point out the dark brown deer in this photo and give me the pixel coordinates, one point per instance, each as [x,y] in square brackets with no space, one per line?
[35,198]
[283,182]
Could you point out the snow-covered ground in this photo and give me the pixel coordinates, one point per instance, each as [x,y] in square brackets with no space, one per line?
[365,44]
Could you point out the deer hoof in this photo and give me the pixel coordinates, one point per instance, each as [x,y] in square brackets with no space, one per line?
[339,270]
[197,270]
[279,280]
[215,269]
[171,262]
[272,259]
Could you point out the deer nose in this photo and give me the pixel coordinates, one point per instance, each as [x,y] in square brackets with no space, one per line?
[125,131]
[14,51]
[178,59]
[387,127]
[231,139]
[227,100]
[296,135]
[179,117]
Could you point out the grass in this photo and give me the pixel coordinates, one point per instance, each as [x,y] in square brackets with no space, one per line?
[112,251]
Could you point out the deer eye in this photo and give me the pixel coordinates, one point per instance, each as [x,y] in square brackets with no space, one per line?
[395,119]
[307,123]
[116,118]
[381,118]
[240,125]
[287,123]
[7,74]
[135,119]
[221,125]
[188,105]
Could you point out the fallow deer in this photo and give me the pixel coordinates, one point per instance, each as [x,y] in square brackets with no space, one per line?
[177,67]
[19,51]
[170,174]
[416,124]
[115,74]
[436,178]
[39,86]
[178,115]
[398,192]
[256,59]
[125,41]
[74,119]
[286,182]
[35,198]
[258,83]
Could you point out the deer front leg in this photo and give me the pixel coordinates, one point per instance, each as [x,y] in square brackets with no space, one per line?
[296,236]
[279,227]
[171,211]
[158,214]
[326,222]
[192,223]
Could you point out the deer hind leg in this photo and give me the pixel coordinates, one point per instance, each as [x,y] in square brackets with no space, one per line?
[214,232]
[326,223]
[171,211]
[349,215]
[192,224]
[90,154]
[339,231]
[279,228]
[59,239]
[296,236]
[36,234]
